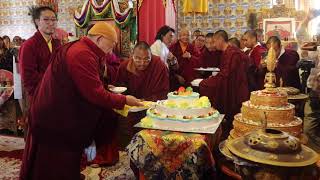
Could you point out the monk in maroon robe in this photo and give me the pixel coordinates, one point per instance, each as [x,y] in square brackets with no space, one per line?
[229,88]
[71,108]
[112,66]
[145,76]
[199,46]
[256,53]
[287,73]
[249,64]
[35,53]
[183,51]
[210,56]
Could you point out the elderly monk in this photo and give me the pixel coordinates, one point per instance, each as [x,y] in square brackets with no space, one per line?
[71,108]
[144,75]
[183,51]
[35,53]
[229,88]
[256,53]
[286,70]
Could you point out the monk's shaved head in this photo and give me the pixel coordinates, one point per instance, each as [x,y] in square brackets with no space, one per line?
[221,34]
[234,42]
[184,36]
[250,38]
[274,40]
[142,45]
[221,40]
[141,55]
[209,42]
[185,31]
[209,35]
[251,33]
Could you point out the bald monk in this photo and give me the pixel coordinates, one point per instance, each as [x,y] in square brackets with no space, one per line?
[35,53]
[229,88]
[256,54]
[286,68]
[145,76]
[183,51]
[71,108]
[209,58]
[249,64]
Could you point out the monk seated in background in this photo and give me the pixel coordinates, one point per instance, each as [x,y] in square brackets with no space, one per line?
[229,88]
[286,70]
[145,76]
[183,51]
[210,56]
[199,47]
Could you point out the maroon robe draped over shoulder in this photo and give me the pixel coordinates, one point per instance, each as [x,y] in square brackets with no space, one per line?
[256,55]
[185,65]
[209,59]
[287,70]
[34,58]
[229,88]
[70,109]
[112,64]
[152,84]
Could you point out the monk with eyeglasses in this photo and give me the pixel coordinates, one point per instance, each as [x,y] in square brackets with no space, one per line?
[145,76]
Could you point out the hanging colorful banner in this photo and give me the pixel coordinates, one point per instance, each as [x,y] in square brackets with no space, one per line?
[92,8]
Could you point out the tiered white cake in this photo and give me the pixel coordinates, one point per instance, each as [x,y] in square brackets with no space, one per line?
[183,109]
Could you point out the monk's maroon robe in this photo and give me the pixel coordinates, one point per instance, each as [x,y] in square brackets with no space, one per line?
[256,55]
[70,109]
[229,88]
[287,70]
[185,64]
[34,58]
[209,59]
[152,84]
[112,64]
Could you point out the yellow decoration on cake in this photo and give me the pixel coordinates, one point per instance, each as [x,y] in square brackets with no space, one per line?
[270,78]
[202,102]
[271,59]
[147,122]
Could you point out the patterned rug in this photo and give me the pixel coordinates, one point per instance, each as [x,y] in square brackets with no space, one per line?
[119,171]
[9,168]
[11,149]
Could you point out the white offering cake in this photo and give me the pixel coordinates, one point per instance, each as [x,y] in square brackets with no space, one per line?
[183,108]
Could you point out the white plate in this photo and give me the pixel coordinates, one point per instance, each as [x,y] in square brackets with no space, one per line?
[196,82]
[142,108]
[207,69]
[118,90]
[137,109]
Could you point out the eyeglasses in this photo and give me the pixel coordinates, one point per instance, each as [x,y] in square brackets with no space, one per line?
[141,60]
[47,20]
